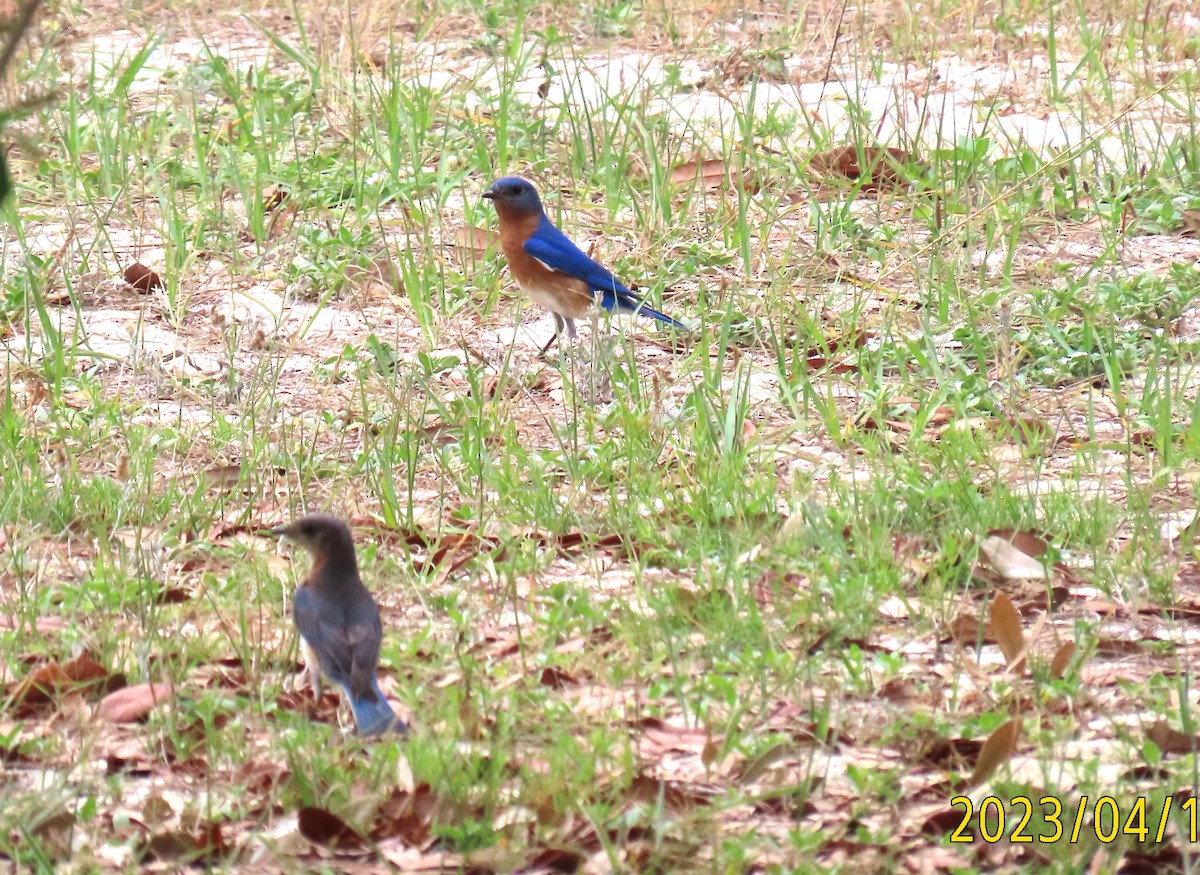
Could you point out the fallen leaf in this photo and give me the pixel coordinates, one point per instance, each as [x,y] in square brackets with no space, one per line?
[465,542]
[878,166]
[822,355]
[323,827]
[476,241]
[1005,624]
[953,753]
[50,680]
[555,860]
[207,845]
[39,686]
[995,751]
[142,278]
[1189,223]
[1029,543]
[1009,561]
[407,815]
[54,832]
[674,795]
[222,475]
[170,845]
[967,630]
[556,678]
[1170,740]
[1062,659]
[712,172]
[131,704]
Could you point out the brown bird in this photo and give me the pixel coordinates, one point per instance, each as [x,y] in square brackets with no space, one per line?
[340,629]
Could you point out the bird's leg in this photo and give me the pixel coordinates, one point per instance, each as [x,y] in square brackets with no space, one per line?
[558,328]
[596,351]
[600,380]
[560,322]
[345,714]
[311,668]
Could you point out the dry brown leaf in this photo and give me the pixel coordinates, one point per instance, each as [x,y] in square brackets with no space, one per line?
[407,815]
[1062,659]
[674,795]
[142,278]
[464,542]
[996,750]
[414,861]
[1170,740]
[1005,624]
[477,241]
[223,475]
[130,704]
[942,821]
[556,678]
[1030,429]
[44,684]
[967,631]
[156,810]
[323,827]
[1028,432]
[172,844]
[1189,223]
[952,753]
[822,355]
[713,172]
[1010,561]
[39,685]
[1029,543]
[881,167]
[207,845]
[54,833]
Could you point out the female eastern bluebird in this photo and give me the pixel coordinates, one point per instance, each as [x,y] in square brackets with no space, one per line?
[340,629]
[550,268]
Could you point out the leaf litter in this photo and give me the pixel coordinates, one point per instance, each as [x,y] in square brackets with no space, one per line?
[1017,616]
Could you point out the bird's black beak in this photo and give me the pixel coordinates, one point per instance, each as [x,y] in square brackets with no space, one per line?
[489,194]
[281,531]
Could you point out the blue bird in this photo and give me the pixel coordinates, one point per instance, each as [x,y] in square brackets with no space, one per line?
[338,620]
[550,268]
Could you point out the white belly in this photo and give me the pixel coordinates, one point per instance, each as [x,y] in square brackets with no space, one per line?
[570,304]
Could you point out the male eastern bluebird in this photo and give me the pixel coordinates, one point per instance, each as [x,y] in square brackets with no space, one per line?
[340,629]
[550,268]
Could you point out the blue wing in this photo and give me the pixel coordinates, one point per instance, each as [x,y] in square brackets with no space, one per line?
[334,651]
[554,249]
[345,633]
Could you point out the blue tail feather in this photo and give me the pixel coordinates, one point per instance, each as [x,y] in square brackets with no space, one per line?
[374,716]
[631,303]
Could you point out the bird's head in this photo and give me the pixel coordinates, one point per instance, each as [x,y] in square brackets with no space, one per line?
[515,194]
[325,537]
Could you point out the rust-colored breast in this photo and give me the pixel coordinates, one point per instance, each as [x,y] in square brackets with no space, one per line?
[559,292]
